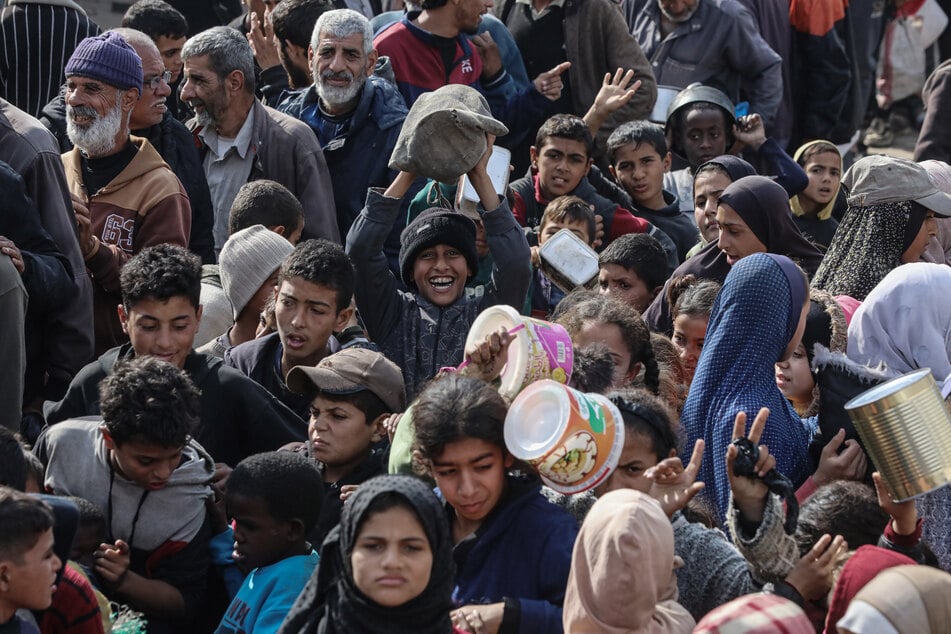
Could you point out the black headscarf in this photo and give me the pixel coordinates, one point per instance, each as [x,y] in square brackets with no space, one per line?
[331,602]
[764,207]
[736,167]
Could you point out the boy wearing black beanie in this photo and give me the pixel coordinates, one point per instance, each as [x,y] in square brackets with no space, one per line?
[425,328]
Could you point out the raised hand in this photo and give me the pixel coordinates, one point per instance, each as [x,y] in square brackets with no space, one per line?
[486,359]
[749,494]
[549,83]
[904,514]
[673,485]
[750,130]
[812,574]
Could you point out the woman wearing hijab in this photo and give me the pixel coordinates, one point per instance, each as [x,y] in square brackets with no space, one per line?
[889,222]
[757,320]
[622,570]
[904,325]
[341,598]
[757,208]
[901,599]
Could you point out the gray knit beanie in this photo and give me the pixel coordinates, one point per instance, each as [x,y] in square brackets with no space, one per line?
[108,58]
[247,260]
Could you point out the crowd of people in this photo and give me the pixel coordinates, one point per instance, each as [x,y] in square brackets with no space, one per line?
[243,248]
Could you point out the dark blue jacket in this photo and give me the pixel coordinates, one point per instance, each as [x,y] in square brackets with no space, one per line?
[523,551]
[358,160]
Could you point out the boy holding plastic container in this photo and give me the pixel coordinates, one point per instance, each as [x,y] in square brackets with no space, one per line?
[565,212]
[424,328]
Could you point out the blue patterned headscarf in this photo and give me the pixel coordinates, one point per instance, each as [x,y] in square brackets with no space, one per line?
[753,318]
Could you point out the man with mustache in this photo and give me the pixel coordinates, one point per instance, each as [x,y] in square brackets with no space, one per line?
[125,197]
[242,140]
[356,115]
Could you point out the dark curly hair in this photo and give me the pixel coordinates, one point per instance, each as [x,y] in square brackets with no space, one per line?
[161,272]
[149,401]
[324,263]
[608,310]
[289,484]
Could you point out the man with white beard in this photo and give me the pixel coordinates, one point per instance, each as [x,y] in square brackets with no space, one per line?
[125,198]
[243,140]
[357,116]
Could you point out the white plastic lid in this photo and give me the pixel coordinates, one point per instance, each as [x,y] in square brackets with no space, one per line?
[536,419]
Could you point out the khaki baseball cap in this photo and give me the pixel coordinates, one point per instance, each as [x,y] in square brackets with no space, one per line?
[349,371]
[878,179]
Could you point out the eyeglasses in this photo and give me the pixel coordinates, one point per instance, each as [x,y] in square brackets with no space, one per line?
[153,83]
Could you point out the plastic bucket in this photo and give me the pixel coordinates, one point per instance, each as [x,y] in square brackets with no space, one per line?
[906,429]
[574,440]
[541,349]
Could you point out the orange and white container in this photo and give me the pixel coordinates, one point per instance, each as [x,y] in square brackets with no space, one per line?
[574,440]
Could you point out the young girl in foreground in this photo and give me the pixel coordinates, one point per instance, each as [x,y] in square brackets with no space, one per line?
[512,547]
[385,568]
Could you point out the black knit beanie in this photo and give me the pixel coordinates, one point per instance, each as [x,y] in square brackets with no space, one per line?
[433,226]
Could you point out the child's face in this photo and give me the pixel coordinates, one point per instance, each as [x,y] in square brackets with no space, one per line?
[550,228]
[636,458]
[689,335]
[736,239]
[561,164]
[626,285]
[824,171]
[470,473]
[162,329]
[707,188]
[306,315]
[339,433]
[147,465]
[391,558]
[794,379]
[639,169]
[27,581]
[704,135]
[440,274]
[259,538]
[611,336]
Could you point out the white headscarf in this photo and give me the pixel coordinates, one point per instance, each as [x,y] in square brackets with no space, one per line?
[905,322]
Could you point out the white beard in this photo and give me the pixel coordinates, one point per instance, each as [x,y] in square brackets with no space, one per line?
[99,137]
[336,96]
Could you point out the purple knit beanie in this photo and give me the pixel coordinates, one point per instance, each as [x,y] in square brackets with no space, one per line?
[108,58]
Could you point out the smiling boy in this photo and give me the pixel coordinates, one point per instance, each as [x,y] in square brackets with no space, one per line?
[425,328]
[139,465]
